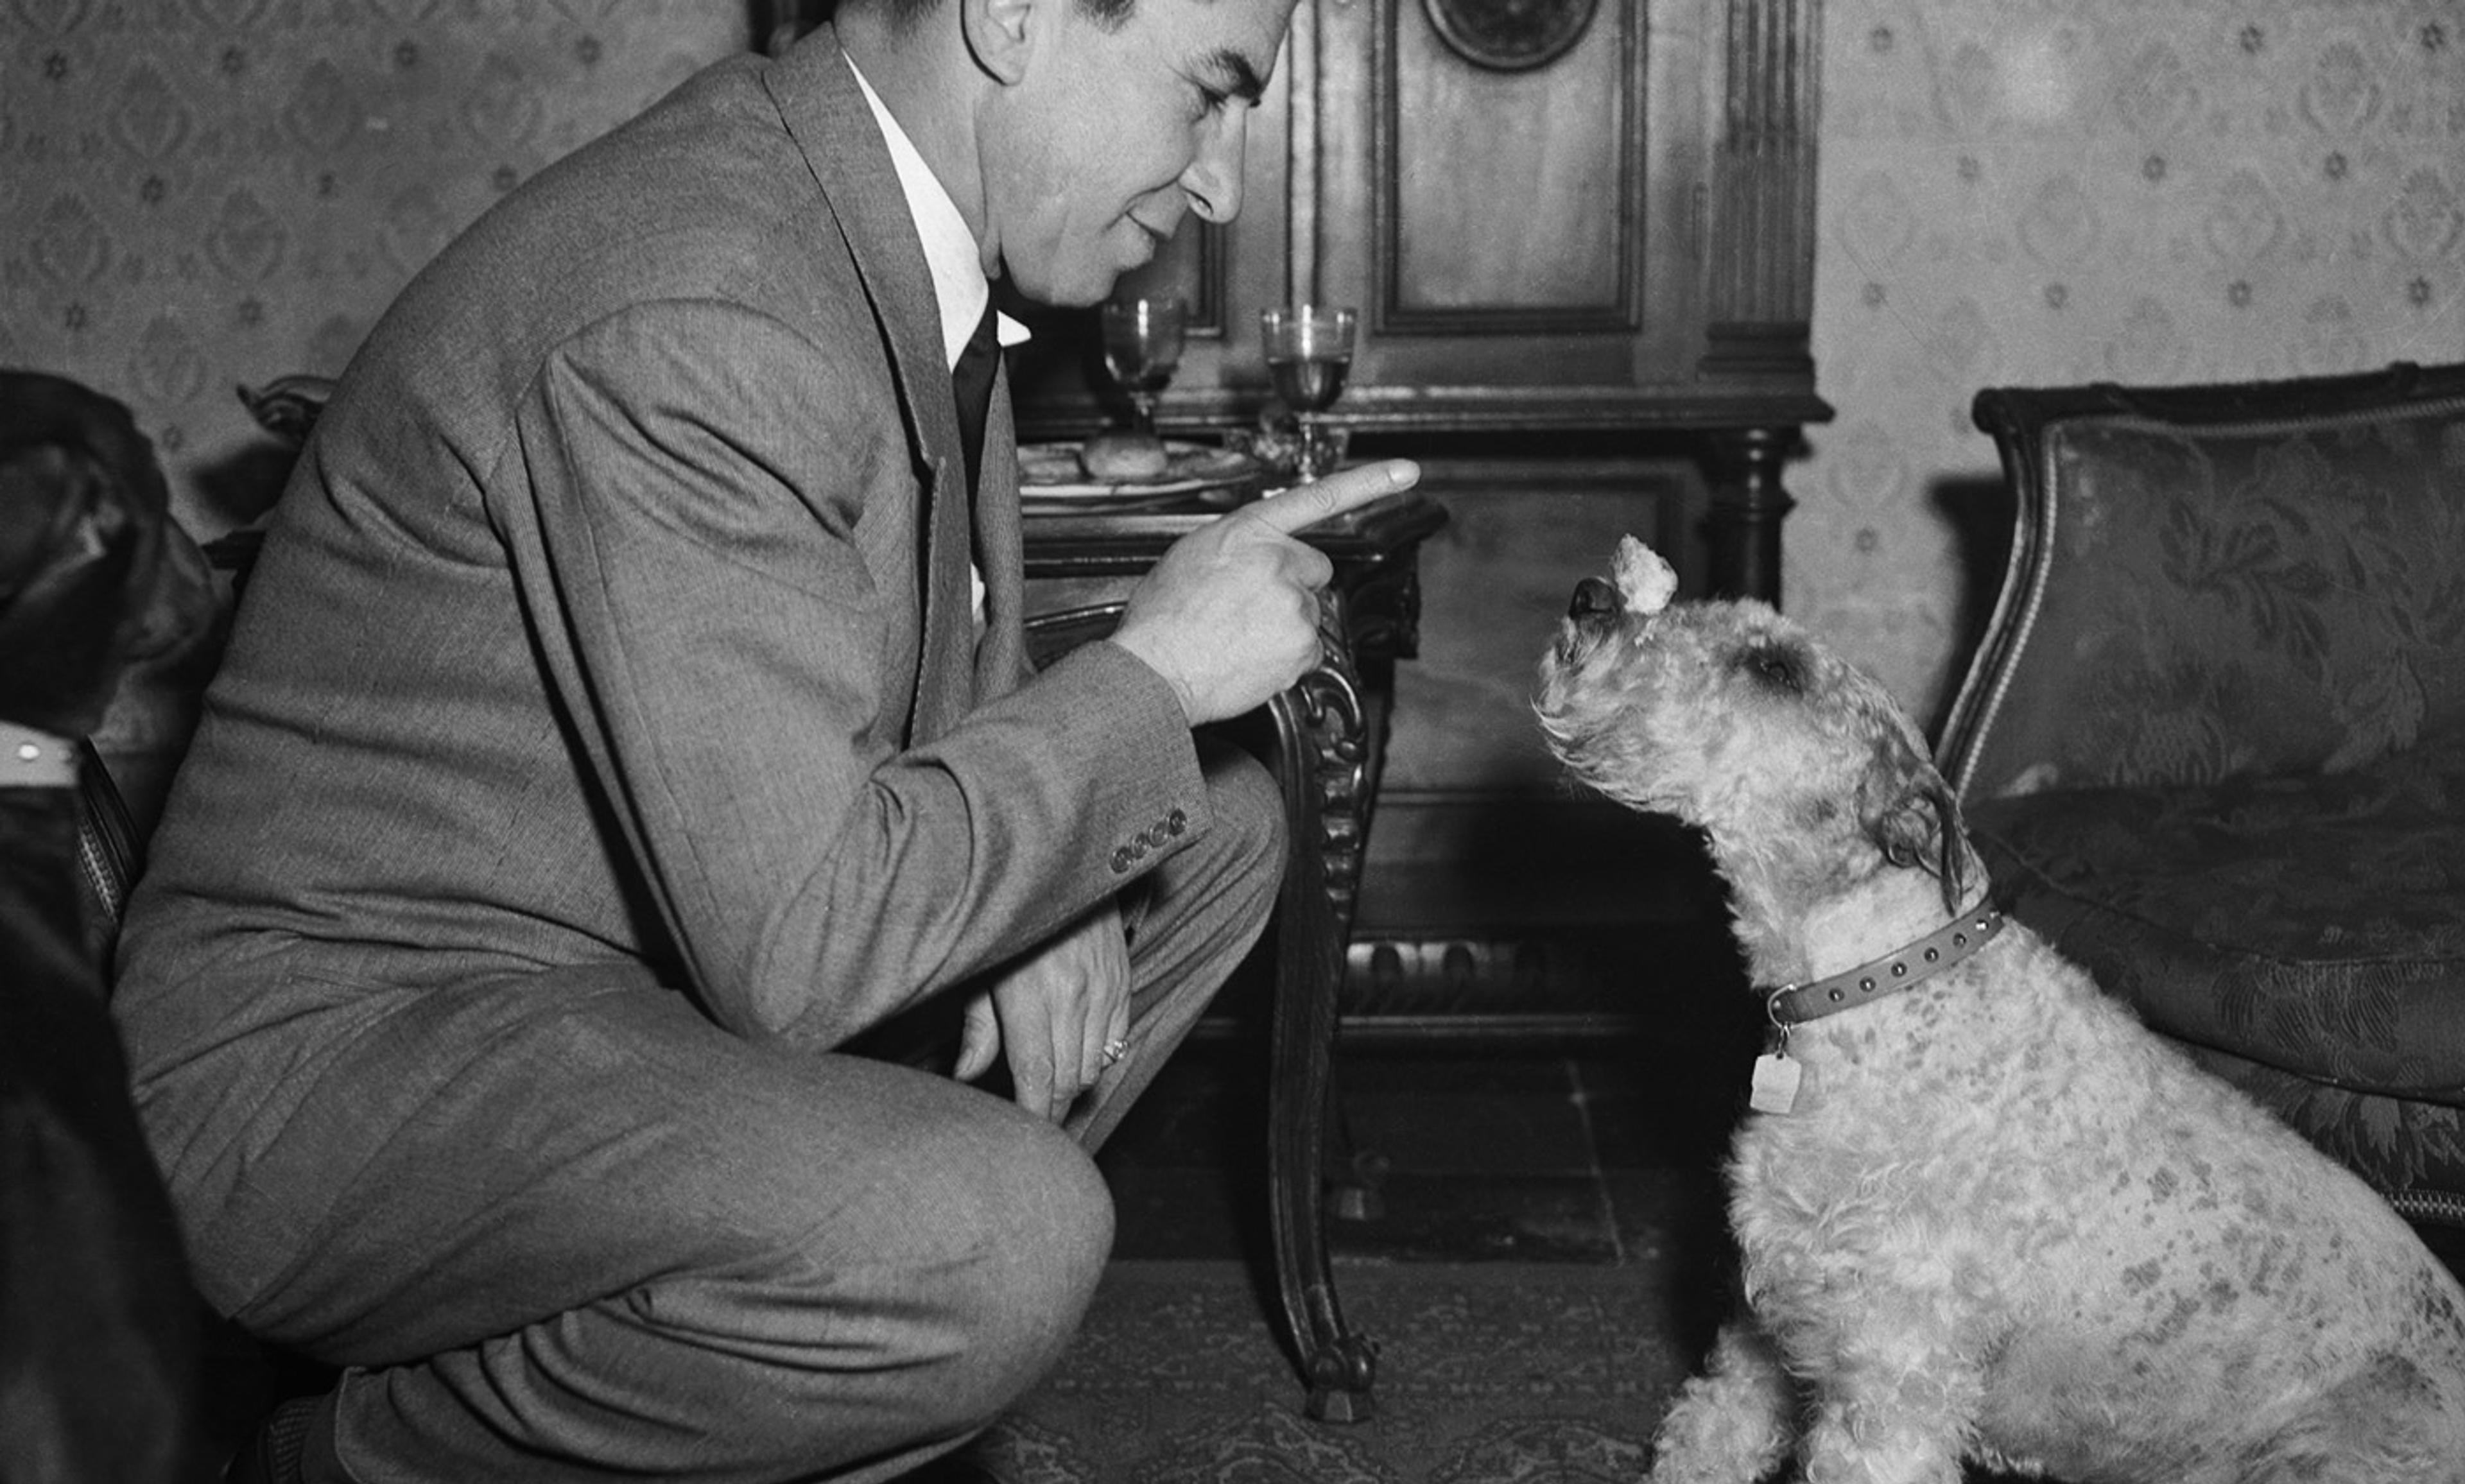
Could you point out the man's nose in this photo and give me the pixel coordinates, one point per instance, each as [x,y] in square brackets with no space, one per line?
[1594,598]
[1213,179]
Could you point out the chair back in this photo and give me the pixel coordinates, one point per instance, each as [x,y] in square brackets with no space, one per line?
[2207,582]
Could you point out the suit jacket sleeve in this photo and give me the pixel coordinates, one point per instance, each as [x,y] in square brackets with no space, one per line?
[709,542]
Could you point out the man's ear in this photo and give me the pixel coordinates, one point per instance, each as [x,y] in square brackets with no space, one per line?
[997,33]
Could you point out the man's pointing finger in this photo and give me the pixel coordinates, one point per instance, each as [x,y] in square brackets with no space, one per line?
[1307,504]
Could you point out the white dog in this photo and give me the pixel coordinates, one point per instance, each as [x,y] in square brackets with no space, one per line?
[1985,1214]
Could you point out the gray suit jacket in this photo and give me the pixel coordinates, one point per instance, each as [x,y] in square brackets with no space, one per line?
[592,633]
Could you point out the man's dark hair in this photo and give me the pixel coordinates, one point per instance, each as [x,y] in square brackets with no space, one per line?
[903,13]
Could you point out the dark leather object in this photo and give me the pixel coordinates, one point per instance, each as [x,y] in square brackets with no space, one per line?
[98,1324]
[81,510]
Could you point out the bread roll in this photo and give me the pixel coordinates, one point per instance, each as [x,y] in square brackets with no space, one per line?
[1123,456]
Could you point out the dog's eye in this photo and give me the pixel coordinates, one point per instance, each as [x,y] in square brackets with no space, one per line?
[1776,665]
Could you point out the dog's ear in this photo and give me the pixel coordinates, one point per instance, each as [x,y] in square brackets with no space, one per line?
[1950,839]
[1922,829]
[1910,816]
[1904,829]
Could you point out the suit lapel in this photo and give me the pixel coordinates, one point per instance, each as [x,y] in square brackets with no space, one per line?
[834,129]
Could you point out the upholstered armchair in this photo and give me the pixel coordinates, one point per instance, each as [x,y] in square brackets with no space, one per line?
[2213,742]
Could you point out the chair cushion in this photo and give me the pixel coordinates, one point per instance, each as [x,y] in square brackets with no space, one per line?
[2258,598]
[2314,922]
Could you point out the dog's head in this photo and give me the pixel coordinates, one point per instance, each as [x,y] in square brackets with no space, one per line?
[83,508]
[1732,719]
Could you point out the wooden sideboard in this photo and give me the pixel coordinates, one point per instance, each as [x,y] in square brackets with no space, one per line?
[1589,219]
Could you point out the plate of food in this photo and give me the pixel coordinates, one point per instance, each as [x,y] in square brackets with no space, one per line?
[1115,468]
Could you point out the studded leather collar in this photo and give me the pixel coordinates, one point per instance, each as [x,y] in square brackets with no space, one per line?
[1794,1005]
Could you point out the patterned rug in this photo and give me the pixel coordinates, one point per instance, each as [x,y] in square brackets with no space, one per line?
[1508,1373]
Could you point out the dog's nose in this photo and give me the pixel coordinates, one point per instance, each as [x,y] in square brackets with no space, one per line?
[1594,598]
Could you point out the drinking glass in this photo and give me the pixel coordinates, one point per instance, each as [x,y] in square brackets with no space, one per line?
[1142,347]
[1309,353]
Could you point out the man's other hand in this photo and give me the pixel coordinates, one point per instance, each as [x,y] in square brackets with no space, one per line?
[1229,616]
[1054,1012]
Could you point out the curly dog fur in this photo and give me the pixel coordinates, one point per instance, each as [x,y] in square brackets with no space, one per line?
[2001,1222]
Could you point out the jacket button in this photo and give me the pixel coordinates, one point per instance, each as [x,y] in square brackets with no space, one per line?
[1122,861]
[1176,822]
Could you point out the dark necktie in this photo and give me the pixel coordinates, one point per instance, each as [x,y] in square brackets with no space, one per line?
[946,686]
[971,382]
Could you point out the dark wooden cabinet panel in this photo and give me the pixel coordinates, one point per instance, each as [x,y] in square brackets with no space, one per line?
[1506,208]
[1490,222]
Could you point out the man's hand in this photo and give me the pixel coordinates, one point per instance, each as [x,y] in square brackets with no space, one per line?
[1229,616]
[1054,1012]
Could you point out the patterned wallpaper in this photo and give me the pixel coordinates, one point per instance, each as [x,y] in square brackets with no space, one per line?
[195,193]
[200,193]
[2049,192]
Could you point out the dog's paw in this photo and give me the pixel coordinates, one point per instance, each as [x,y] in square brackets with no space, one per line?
[1709,1444]
[1731,1425]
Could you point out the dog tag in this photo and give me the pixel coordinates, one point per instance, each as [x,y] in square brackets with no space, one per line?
[1774,1089]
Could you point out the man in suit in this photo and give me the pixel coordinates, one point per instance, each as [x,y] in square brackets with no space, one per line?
[628,720]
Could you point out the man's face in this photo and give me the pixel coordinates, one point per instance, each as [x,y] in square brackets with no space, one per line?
[1107,138]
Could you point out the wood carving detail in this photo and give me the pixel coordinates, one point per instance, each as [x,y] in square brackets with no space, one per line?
[1331,728]
[1511,35]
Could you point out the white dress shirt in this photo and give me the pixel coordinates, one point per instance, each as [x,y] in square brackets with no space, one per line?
[951,251]
[951,255]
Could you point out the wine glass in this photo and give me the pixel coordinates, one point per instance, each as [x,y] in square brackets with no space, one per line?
[1142,347]
[1309,353]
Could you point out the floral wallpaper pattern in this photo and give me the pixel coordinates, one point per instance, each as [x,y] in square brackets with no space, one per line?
[195,193]
[2049,192]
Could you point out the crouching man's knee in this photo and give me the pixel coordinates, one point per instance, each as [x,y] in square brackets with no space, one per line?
[1030,1243]
[908,1317]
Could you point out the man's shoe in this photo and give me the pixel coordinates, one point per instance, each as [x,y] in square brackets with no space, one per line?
[272,1453]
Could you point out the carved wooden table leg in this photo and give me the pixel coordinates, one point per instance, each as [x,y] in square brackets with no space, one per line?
[1322,757]
[1330,729]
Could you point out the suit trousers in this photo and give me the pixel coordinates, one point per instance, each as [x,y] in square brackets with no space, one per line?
[624,1242]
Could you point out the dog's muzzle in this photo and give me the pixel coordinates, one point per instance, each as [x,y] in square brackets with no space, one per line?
[1594,599]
